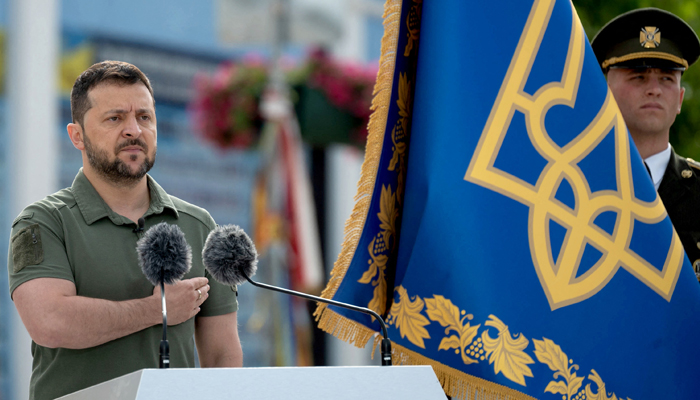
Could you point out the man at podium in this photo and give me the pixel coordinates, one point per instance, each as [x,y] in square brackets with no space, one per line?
[74,274]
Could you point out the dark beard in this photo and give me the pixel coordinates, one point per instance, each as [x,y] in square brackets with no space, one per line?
[117,171]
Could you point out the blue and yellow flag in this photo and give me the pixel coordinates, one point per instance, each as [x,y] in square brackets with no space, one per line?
[505,223]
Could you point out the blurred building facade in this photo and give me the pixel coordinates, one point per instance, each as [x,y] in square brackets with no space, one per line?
[172,41]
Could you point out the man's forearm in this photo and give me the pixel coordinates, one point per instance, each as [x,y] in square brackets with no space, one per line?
[88,322]
[226,361]
[218,343]
[55,317]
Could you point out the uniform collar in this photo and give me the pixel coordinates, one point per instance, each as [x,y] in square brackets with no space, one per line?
[657,165]
[93,207]
[673,185]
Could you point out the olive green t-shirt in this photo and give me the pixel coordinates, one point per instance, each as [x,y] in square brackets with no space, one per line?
[74,235]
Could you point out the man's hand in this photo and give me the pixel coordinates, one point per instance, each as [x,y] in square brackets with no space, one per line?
[183,298]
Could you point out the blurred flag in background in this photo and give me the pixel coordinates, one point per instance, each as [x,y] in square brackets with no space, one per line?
[286,235]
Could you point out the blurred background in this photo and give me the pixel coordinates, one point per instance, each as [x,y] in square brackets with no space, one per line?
[209,62]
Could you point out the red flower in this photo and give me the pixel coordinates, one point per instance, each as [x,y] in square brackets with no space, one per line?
[226,106]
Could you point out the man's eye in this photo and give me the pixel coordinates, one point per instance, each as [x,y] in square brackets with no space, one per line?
[113,119]
[145,117]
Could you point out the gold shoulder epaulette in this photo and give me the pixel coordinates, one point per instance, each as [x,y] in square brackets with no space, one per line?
[693,163]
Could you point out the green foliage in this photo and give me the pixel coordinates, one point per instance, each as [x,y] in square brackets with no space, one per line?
[596,13]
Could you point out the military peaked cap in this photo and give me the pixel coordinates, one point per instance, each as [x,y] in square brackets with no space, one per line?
[646,38]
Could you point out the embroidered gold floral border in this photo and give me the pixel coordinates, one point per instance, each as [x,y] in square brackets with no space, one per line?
[492,343]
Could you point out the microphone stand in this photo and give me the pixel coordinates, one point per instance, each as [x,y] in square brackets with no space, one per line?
[164,345]
[386,343]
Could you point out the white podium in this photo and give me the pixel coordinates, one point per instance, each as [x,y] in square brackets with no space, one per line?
[290,383]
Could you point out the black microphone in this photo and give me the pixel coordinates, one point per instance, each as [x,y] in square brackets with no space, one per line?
[164,257]
[140,224]
[230,257]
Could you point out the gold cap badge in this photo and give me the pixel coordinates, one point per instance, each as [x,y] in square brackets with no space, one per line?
[650,37]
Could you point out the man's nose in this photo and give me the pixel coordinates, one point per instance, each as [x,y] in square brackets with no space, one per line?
[131,127]
[653,88]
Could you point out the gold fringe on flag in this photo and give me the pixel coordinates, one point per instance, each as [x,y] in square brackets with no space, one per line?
[328,320]
[458,384]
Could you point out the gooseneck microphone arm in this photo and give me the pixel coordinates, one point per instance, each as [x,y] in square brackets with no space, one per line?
[386,343]
[230,256]
[164,345]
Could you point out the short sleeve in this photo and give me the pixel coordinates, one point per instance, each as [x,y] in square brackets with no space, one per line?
[37,248]
[222,299]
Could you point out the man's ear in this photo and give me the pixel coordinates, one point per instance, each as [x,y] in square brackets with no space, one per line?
[680,103]
[75,132]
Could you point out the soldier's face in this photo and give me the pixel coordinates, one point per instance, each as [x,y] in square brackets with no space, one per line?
[649,99]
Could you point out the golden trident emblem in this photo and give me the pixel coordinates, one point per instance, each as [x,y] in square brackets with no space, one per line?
[559,278]
[650,37]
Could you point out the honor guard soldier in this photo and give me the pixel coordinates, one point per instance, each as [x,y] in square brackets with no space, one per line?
[643,54]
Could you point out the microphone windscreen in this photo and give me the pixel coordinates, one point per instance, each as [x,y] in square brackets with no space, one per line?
[164,247]
[229,255]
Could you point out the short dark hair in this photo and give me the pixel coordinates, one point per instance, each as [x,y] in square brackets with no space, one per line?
[113,72]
